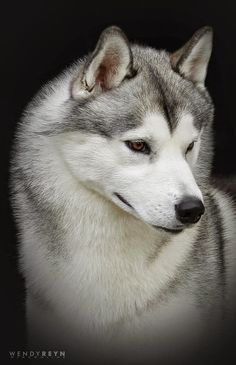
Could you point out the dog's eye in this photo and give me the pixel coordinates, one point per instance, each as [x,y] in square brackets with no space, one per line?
[138,146]
[190,147]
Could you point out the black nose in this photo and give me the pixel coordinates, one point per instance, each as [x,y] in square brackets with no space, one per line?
[189,210]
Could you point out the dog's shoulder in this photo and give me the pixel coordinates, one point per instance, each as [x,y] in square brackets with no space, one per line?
[227,185]
[224,192]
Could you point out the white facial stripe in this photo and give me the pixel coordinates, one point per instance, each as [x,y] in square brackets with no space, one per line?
[158,126]
[185,131]
[154,127]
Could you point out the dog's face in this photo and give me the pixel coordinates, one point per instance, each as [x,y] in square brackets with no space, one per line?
[139,117]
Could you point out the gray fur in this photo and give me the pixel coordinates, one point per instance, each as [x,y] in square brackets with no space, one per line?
[155,87]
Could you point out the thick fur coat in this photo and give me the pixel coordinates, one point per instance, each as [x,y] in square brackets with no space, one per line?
[103,157]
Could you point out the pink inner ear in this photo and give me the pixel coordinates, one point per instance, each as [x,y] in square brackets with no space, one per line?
[101,76]
[107,70]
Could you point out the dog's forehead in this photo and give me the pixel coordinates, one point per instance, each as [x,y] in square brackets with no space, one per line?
[155,127]
[155,89]
[172,97]
[162,89]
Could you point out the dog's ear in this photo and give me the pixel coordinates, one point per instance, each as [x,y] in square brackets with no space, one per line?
[191,61]
[107,66]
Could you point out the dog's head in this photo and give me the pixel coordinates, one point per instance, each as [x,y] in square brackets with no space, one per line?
[139,127]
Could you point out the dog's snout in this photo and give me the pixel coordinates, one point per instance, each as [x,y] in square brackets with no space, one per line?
[189,210]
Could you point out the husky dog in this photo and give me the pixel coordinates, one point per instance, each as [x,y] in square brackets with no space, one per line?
[125,246]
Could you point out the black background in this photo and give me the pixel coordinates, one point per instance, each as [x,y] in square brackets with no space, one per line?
[40,38]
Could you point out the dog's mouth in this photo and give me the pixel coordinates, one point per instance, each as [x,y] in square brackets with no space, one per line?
[123,200]
[169,230]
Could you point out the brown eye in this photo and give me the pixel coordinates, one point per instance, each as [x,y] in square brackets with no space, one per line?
[190,147]
[138,146]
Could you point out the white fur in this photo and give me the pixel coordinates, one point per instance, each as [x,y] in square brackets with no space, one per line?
[109,277]
[152,188]
[111,273]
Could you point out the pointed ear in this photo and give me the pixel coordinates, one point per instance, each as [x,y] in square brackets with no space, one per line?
[191,61]
[107,66]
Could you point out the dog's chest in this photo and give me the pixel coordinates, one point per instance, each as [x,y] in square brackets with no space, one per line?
[122,287]
[116,300]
